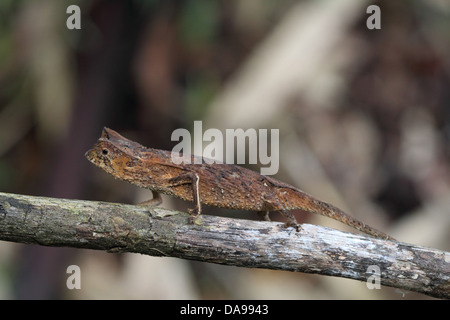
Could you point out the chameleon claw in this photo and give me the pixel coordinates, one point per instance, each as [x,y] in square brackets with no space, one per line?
[294,225]
[194,220]
[194,213]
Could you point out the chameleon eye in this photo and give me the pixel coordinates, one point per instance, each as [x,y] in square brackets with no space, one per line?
[105,152]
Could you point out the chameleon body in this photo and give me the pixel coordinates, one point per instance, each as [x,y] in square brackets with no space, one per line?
[215,184]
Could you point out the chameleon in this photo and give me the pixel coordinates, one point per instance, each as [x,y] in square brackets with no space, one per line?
[209,183]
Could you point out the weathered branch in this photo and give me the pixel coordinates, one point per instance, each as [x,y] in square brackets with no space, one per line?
[253,244]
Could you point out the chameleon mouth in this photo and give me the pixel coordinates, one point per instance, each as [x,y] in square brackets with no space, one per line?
[90,155]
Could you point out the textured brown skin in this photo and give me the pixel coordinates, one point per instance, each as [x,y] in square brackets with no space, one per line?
[220,185]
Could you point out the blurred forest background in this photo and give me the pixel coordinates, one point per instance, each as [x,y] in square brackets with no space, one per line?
[364,119]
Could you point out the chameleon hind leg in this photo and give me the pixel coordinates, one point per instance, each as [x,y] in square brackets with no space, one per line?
[291,222]
[193,179]
[274,204]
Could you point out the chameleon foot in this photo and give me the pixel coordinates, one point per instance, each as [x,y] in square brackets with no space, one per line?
[194,213]
[294,225]
[193,220]
[291,222]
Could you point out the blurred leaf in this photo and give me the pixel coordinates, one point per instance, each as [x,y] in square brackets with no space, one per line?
[199,93]
[199,21]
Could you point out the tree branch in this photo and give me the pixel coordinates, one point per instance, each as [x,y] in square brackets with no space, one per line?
[252,244]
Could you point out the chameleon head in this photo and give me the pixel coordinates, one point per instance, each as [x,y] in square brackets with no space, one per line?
[113,153]
[104,155]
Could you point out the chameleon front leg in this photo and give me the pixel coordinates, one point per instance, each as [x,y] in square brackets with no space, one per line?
[193,179]
[185,178]
[153,202]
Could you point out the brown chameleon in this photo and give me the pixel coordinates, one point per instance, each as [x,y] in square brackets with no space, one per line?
[216,184]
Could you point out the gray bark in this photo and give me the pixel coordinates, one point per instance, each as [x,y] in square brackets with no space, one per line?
[252,244]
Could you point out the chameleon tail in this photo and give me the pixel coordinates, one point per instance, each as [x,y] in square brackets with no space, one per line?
[312,205]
